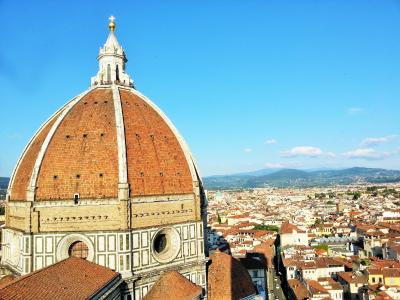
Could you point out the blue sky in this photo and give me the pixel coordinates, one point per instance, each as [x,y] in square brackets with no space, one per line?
[249,84]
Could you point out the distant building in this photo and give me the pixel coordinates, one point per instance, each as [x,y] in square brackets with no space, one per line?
[256,266]
[228,279]
[354,285]
[292,235]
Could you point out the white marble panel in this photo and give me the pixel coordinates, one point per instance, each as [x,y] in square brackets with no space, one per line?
[101,243]
[145,241]
[111,243]
[136,259]
[145,257]
[185,232]
[111,261]
[49,260]
[135,237]
[39,244]
[39,262]
[49,244]
[102,259]
[192,231]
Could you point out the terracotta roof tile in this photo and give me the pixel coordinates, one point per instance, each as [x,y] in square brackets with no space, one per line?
[289,228]
[7,280]
[228,279]
[173,286]
[352,278]
[267,249]
[156,161]
[299,289]
[391,272]
[73,278]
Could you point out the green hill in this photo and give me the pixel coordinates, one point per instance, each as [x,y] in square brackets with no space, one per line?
[3,186]
[4,182]
[298,178]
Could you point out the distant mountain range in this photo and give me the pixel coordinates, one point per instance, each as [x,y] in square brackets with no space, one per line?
[288,178]
[298,178]
[4,182]
[3,186]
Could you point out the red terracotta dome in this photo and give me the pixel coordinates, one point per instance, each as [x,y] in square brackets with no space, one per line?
[106,138]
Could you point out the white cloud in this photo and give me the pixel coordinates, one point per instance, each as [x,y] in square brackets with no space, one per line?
[274,165]
[378,140]
[271,142]
[306,151]
[14,136]
[366,153]
[282,165]
[354,110]
[247,150]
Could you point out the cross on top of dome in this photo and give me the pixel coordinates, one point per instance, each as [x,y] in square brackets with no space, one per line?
[112,61]
[111,25]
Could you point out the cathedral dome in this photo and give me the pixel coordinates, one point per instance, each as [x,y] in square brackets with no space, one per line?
[109,179]
[108,142]
[108,136]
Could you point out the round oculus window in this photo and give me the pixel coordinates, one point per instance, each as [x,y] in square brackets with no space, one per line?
[78,249]
[166,244]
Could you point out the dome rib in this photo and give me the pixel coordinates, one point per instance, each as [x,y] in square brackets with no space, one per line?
[123,188]
[119,123]
[31,191]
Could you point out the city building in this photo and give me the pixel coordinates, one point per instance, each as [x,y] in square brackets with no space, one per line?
[291,234]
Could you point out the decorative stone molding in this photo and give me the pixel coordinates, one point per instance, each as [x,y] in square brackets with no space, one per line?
[65,243]
[166,244]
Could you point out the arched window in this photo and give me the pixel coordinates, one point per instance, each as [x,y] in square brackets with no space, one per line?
[79,249]
[108,73]
[117,73]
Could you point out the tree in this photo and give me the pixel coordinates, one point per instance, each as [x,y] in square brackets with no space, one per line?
[266,227]
[322,246]
[318,222]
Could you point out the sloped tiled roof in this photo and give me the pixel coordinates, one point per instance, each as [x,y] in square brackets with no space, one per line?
[173,286]
[228,279]
[298,289]
[289,228]
[73,278]
[267,249]
[6,280]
